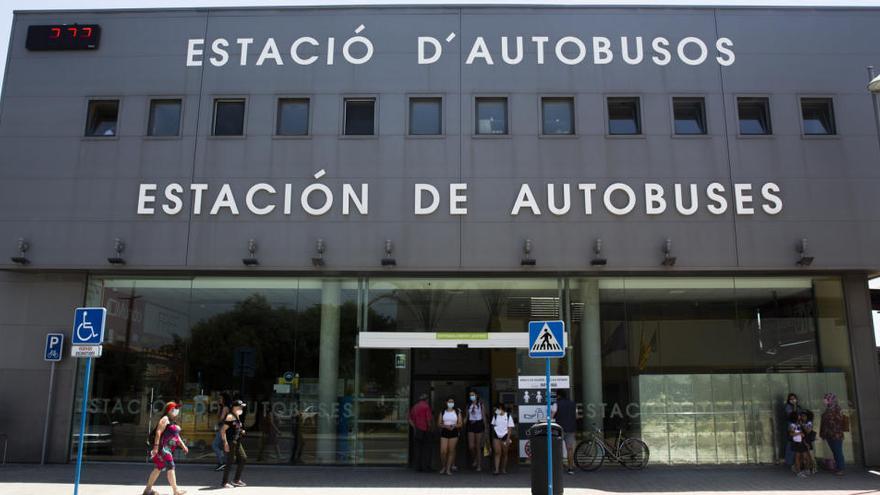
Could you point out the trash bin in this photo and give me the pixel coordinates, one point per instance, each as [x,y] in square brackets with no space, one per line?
[537,435]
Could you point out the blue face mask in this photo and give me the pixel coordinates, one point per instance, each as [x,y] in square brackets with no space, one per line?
[473,398]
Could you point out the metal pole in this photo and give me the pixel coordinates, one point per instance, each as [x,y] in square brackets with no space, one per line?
[82,425]
[874,104]
[549,435]
[48,413]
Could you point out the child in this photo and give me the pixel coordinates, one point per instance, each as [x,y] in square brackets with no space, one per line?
[796,436]
[806,421]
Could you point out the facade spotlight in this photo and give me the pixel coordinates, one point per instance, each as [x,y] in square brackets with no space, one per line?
[803,259]
[118,248]
[874,85]
[389,260]
[318,260]
[251,260]
[23,247]
[598,259]
[668,259]
[527,259]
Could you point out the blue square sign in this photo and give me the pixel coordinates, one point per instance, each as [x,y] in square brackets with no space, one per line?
[88,326]
[546,339]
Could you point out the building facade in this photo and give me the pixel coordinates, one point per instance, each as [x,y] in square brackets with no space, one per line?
[328,211]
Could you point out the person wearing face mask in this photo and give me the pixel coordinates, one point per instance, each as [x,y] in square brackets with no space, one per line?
[165,439]
[791,406]
[477,419]
[502,433]
[449,422]
[233,431]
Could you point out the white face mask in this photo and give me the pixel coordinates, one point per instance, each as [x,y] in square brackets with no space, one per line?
[450,405]
[498,412]
[175,412]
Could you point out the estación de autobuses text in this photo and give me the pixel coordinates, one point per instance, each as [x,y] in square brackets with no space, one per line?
[318,198]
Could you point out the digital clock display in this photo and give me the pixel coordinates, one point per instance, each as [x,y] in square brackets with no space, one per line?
[63,37]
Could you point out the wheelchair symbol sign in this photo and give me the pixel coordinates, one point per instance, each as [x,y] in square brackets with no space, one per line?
[88,326]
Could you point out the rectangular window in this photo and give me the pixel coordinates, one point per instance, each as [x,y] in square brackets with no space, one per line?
[102,118]
[491,115]
[557,115]
[425,116]
[689,115]
[818,114]
[293,117]
[360,116]
[754,116]
[624,116]
[164,118]
[229,117]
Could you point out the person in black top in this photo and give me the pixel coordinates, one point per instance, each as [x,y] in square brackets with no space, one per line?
[232,432]
[564,411]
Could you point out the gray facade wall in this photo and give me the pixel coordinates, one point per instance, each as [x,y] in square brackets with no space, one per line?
[71,196]
[32,306]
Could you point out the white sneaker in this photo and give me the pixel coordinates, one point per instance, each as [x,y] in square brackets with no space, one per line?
[239,483]
[227,485]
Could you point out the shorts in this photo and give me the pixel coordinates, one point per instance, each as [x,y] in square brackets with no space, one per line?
[476,427]
[505,437]
[798,447]
[453,433]
[163,461]
[570,440]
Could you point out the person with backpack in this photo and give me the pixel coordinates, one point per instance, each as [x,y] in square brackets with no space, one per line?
[233,431]
[502,437]
[165,438]
[834,424]
[449,422]
[477,420]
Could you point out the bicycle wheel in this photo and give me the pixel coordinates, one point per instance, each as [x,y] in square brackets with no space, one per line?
[634,454]
[589,455]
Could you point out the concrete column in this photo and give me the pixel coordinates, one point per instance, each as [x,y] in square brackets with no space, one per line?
[864,364]
[328,373]
[590,347]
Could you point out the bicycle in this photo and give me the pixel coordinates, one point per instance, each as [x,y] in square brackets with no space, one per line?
[590,453]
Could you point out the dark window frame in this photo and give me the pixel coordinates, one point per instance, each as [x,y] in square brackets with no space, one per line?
[222,99]
[640,130]
[88,130]
[415,97]
[154,99]
[572,110]
[764,101]
[287,98]
[827,100]
[491,98]
[703,118]
[359,98]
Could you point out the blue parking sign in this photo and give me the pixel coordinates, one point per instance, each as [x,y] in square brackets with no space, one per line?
[88,326]
[546,339]
[54,347]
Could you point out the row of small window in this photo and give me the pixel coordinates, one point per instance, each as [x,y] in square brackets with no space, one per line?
[425,116]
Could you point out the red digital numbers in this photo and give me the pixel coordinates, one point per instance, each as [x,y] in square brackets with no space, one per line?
[73,32]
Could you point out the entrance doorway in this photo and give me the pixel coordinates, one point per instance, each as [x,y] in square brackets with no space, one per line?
[444,373]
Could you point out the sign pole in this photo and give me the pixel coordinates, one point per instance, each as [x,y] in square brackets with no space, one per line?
[82,425]
[549,435]
[48,413]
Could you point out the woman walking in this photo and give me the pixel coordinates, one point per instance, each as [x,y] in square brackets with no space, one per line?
[477,417]
[502,432]
[217,444]
[449,422]
[834,424]
[165,439]
[233,431]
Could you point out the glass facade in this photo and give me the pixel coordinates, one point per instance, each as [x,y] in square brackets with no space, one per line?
[698,366]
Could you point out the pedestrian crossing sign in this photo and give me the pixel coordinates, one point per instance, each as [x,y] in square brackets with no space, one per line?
[546,339]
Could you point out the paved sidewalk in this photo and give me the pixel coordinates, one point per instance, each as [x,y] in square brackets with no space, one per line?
[122,479]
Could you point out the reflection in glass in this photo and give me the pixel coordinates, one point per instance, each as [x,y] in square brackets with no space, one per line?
[491,115]
[425,117]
